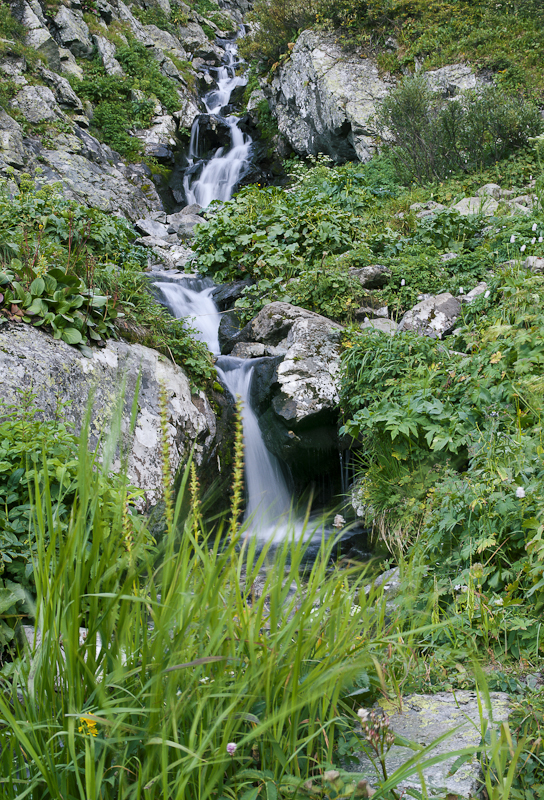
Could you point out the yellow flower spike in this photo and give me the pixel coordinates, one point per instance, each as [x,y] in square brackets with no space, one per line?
[88,726]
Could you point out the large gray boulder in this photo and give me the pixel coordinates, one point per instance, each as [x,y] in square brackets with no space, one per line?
[297,403]
[64,94]
[93,174]
[73,32]
[160,138]
[106,51]
[372,277]
[166,41]
[59,374]
[484,204]
[324,98]
[434,317]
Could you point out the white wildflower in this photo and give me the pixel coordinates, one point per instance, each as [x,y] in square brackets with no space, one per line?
[461,290]
[487,293]
[403,282]
[534,226]
[498,601]
[512,239]
[363,714]
[520,492]
[339,521]
[533,240]
[523,248]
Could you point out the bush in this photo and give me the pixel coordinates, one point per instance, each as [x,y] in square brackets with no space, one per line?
[430,137]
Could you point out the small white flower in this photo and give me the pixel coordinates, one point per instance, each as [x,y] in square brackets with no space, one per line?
[487,293]
[533,240]
[520,492]
[339,521]
[523,248]
[204,680]
[363,714]
[403,282]
[231,748]
[354,610]
[498,601]
[534,226]
[461,290]
[540,238]
[460,588]
[512,239]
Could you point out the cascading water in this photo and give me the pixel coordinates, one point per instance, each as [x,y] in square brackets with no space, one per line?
[216,178]
[268,502]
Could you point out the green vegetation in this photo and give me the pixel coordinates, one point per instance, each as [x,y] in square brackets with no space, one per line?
[75,271]
[429,137]
[506,38]
[141,700]
[116,111]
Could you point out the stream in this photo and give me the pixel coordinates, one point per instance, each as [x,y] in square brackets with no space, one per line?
[270,511]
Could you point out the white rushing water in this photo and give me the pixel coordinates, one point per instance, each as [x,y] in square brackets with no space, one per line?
[217,178]
[268,499]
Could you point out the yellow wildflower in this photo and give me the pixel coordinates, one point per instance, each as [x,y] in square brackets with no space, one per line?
[88,726]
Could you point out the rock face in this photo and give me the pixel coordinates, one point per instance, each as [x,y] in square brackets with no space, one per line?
[324,99]
[297,402]
[433,317]
[426,717]
[56,372]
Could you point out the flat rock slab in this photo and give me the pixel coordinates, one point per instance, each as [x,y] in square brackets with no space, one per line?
[426,717]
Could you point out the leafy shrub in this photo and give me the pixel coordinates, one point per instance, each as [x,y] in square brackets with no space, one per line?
[431,137]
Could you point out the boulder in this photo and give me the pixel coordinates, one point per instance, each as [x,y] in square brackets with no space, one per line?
[479,289]
[382,325]
[59,374]
[324,98]
[160,138]
[166,41]
[477,205]
[535,264]
[424,718]
[73,32]
[307,375]
[106,51]
[372,277]
[248,350]
[452,79]
[225,296]
[37,104]
[136,28]
[39,38]
[150,227]
[187,112]
[192,37]
[491,190]
[68,64]
[428,209]
[91,173]
[434,317]
[11,141]
[187,224]
[231,331]
[64,94]
[368,312]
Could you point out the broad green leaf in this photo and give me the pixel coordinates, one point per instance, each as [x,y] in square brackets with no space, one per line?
[71,336]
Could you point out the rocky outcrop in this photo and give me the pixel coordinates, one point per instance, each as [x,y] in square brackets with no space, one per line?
[324,98]
[298,401]
[434,317]
[423,719]
[59,374]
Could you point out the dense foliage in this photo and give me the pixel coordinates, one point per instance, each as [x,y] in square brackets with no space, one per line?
[75,271]
[430,137]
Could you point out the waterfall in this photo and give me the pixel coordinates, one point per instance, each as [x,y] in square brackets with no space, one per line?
[217,178]
[268,499]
